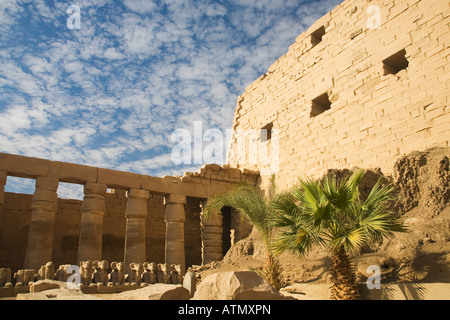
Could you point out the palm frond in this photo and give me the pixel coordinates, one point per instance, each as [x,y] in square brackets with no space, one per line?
[379,195]
[272,189]
[249,201]
[350,239]
[356,178]
[296,241]
[339,196]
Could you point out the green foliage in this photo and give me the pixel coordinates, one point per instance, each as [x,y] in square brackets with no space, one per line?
[251,202]
[325,213]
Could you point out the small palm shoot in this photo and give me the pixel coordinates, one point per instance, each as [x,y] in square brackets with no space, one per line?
[251,202]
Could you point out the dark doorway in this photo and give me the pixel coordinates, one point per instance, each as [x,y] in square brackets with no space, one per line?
[192,233]
[226,233]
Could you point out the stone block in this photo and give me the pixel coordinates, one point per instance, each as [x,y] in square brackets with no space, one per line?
[7,292]
[21,289]
[93,189]
[173,198]
[91,289]
[73,173]
[24,167]
[106,289]
[3,177]
[43,285]
[119,179]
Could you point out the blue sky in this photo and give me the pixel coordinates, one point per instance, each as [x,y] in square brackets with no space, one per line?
[112,93]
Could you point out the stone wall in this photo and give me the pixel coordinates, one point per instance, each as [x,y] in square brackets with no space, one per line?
[141,217]
[349,93]
[16,216]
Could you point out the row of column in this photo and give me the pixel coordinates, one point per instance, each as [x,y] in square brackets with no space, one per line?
[43,209]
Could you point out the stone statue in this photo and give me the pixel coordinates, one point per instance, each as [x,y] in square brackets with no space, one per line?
[61,274]
[101,274]
[149,275]
[117,276]
[162,274]
[86,271]
[136,271]
[176,276]
[5,277]
[47,271]
[24,277]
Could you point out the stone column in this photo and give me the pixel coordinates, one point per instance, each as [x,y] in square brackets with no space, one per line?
[211,229]
[91,233]
[3,177]
[175,218]
[136,214]
[40,235]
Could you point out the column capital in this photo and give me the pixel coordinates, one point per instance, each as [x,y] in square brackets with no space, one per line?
[137,203]
[47,182]
[45,197]
[138,193]
[95,188]
[174,198]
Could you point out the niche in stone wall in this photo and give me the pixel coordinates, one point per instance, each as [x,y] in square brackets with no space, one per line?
[395,63]
[320,104]
[266,132]
[316,36]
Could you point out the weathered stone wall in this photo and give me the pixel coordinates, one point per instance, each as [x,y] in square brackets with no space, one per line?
[144,218]
[15,223]
[337,104]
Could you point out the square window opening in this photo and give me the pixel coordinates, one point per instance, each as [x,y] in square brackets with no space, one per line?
[266,132]
[395,63]
[316,36]
[320,104]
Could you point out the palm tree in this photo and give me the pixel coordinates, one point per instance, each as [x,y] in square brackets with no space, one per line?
[325,213]
[251,202]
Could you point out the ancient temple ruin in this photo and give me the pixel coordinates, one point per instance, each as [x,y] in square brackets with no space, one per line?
[141,218]
[349,92]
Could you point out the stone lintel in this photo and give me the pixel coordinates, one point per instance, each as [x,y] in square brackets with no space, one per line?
[119,179]
[73,173]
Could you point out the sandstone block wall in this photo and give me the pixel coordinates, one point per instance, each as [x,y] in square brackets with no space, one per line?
[16,210]
[340,102]
[15,222]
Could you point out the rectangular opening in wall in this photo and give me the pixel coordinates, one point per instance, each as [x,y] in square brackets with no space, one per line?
[320,105]
[395,63]
[266,132]
[20,185]
[70,191]
[316,36]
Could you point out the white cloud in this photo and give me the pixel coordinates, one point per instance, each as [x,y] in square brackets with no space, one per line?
[141,6]
[14,119]
[117,88]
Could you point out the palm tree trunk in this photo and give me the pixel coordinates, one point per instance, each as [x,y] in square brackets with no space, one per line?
[272,272]
[342,277]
